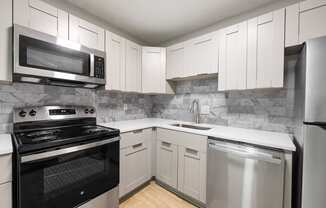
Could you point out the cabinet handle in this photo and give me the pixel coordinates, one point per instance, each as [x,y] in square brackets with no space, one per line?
[166,144]
[137,131]
[137,145]
[191,151]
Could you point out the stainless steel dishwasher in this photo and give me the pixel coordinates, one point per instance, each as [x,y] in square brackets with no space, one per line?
[243,176]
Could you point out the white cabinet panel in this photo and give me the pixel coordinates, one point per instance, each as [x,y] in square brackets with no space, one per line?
[202,55]
[5,41]
[192,173]
[85,33]
[41,16]
[154,70]
[167,163]
[292,25]
[175,61]
[311,4]
[133,67]
[233,57]
[6,195]
[6,168]
[115,62]
[266,51]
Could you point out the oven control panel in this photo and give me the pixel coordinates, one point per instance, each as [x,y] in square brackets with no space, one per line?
[52,113]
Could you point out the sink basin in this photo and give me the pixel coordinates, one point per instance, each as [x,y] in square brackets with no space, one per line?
[191,126]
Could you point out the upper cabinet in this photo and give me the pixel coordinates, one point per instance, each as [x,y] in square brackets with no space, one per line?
[265,58]
[85,33]
[175,66]
[115,62]
[233,57]
[133,67]
[41,16]
[5,41]
[154,71]
[304,21]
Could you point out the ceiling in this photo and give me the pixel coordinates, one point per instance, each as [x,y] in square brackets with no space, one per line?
[157,21]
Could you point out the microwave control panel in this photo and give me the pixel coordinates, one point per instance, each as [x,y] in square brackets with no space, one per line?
[99,67]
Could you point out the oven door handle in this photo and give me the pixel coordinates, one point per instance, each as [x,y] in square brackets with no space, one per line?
[44,155]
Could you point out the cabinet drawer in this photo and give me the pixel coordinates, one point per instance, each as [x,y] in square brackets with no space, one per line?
[5,195]
[6,168]
[191,141]
[135,138]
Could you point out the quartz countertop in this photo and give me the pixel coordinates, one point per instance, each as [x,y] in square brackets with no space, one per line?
[5,144]
[257,137]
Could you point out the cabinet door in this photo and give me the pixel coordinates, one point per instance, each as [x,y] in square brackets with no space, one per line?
[133,67]
[85,33]
[233,57]
[202,55]
[115,70]
[134,167]
[153,70]
[5,41]
[292,25]
[192,173]
[167,163]
[266,50]
[41,16]
[175,61]
[5,195]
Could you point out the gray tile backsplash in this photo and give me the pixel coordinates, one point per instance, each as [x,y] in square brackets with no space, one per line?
[267,109]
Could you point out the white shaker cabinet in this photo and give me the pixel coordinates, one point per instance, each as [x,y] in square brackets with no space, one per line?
[154,71]
[5,41]
[115,62]
[265,67]
[202,55]
[6,195]
[86,33]
[175,61]
[167,162]
[133,67]
[40,16]
[233,57]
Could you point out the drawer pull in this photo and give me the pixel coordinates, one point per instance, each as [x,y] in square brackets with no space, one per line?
[191,151]
[137,145]
[166,144]
[137,131]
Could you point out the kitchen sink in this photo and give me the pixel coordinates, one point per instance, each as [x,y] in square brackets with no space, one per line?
[188,126]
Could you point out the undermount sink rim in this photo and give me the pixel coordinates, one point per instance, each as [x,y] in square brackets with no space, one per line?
[191,126]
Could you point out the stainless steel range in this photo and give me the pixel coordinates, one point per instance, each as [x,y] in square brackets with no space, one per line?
[63,159]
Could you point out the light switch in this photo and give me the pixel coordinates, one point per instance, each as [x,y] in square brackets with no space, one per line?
[204,110]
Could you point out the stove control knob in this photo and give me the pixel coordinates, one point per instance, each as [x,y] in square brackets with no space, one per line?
[92,110]
[86,111]
[32,113]
[22,113]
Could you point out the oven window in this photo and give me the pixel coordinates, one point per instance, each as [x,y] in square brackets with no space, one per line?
[69,180]
[43,55]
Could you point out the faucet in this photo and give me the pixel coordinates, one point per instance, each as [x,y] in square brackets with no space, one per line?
[194,108]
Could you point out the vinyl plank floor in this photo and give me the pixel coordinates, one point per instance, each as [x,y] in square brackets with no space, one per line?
[154,196]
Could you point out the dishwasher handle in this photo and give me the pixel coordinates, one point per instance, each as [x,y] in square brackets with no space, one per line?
[246,152]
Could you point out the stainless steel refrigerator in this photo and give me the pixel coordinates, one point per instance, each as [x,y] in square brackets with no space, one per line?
[310,111]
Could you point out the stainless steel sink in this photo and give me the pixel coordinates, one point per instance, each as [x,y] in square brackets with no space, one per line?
[191,126]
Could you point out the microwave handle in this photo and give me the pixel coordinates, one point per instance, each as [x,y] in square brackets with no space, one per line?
[54,153]
[92,59]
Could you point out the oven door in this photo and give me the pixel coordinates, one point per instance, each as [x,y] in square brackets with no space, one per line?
[69,177]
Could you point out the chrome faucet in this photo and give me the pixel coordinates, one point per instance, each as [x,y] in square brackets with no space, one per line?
[194,108]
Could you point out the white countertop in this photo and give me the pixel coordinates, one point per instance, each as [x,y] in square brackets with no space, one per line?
[257,137]
[5,144]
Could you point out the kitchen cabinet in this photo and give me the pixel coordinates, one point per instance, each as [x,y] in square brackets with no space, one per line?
[266,51]
[86,33]
[40,16]
[167,162]
[5,41]
[133,67]
[233,57]
[135,160]
[115,62]
[202,55]
[6,195]
[154,71]
[175,63]
[304,21]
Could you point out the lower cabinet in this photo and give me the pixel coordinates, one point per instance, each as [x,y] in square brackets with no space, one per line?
[167,163]
[135,162]
[5,195]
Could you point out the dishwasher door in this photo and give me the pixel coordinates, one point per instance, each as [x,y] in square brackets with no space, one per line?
[241,176]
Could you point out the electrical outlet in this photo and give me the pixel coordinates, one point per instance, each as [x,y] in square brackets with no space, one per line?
[204,110]
[125,107]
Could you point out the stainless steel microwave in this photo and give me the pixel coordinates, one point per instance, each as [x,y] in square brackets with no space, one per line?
[45,59]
